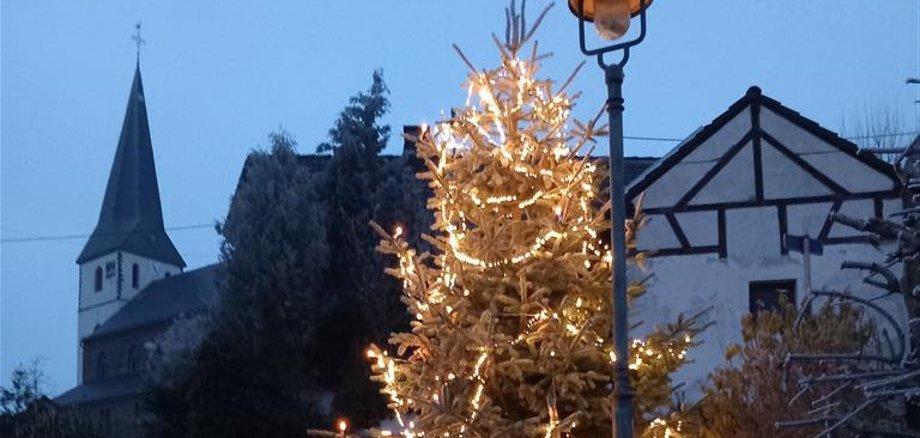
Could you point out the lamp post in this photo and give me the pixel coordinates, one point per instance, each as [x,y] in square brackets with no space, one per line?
[612,19]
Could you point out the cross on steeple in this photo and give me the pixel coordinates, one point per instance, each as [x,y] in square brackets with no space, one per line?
[137,39]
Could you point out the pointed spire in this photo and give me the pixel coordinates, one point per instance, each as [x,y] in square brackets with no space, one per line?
[131,219]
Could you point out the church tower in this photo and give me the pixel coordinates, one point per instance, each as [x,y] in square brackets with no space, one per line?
[129,247]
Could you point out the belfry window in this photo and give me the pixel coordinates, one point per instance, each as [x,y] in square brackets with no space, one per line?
[135,275]
[100,366]
[98,279]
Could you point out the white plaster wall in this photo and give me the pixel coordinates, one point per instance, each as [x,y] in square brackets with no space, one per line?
[752,236]
[733,183]
[807,218]
[860,209]
[720,142]
[88,295]
[95,308]
[657,234]
[783,179]
[844,169]
[893,206]
[796,139]
[684,175]
[694,282]
[700,227]
[697,163]
[149,269]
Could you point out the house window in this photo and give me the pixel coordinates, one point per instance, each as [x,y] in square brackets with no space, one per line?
[98,279]
[767,296]
[100,366]
[109,269]
[135,275]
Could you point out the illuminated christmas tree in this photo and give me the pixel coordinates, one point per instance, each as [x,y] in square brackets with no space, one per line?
[513,305]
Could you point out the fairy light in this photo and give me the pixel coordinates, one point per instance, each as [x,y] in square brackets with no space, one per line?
[542,178]
[659,428]
[531,201]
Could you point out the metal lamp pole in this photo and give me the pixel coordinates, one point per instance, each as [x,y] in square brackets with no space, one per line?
[613,76]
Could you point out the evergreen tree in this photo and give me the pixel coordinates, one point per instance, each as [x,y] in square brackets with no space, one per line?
[273,258]
[356,178]
[359,186]
[255,374]
[512,309]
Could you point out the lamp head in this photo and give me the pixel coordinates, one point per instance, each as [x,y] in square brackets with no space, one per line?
[610,17]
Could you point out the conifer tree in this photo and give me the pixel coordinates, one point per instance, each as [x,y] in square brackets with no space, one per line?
[512,308]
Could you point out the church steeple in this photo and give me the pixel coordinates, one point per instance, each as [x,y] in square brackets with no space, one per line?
[131,219]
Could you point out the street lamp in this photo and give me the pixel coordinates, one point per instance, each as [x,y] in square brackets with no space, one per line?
[612,19]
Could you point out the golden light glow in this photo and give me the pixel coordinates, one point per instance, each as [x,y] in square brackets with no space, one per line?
[589,6]
[512,202]
[611,17]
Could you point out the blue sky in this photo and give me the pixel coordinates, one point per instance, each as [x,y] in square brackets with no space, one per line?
[220,75]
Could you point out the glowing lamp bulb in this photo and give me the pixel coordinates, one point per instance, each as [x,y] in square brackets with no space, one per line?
[343,426]
[611,18]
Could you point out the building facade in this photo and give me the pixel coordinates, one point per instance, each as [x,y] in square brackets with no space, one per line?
[721,203]
[132,286]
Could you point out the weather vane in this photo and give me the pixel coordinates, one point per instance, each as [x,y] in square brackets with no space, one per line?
[137,39]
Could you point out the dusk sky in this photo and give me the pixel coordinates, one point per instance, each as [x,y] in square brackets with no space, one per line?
[220,75]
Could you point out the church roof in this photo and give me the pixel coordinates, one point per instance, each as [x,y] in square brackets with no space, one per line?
[131,219]
[188,293]
[102,390]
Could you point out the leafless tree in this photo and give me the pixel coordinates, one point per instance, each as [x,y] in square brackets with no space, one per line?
[886,380]
[879,129]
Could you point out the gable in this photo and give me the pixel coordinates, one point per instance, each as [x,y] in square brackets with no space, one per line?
[760,152]
[758,163]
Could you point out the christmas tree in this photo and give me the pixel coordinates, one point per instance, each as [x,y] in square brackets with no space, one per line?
[512,306]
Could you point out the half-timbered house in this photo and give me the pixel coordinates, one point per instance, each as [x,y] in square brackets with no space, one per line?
[720,203]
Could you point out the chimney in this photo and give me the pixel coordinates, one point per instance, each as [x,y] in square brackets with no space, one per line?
[410,132]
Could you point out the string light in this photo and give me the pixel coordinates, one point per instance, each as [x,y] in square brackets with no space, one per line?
[508,194]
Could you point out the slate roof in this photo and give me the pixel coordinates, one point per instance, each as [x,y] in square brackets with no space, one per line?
[131,219]
[107,389]
[635,166]
[188,293]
